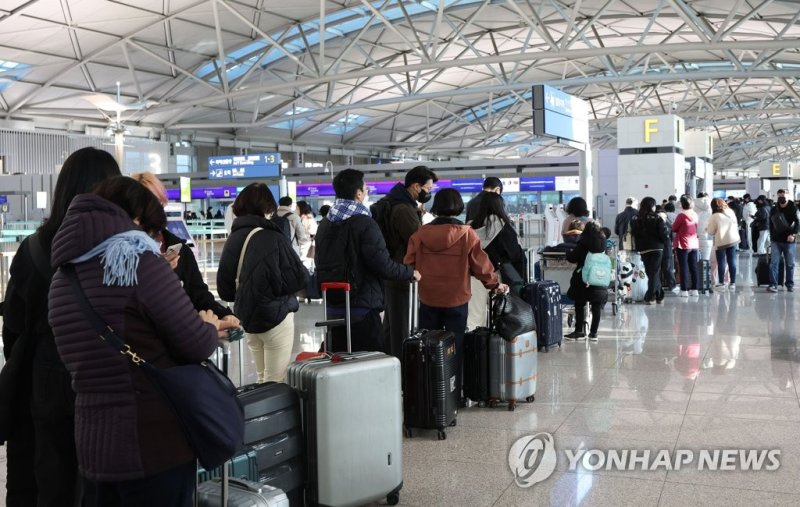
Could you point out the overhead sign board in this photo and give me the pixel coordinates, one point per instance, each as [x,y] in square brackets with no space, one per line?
[538,184]
[651,132]
[264,165]
[559,115]
[776,170]
[568,183]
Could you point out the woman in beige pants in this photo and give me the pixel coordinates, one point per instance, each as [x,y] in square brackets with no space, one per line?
[261,272]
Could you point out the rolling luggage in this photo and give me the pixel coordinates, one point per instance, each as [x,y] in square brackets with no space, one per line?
[430,393]
[762,271]
[704,276]
[352,420]
[545,299]
[241,493]
[476,364]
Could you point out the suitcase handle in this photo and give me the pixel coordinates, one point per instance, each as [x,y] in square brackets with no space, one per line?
[335,286]
[336,322]
[413,307]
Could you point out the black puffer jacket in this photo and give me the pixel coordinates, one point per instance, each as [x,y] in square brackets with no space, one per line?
[595,243]
[373,261]
[650,233]
[271,274]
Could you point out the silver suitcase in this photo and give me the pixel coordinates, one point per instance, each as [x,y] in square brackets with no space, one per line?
[513,369]
[353,422]
[241,493]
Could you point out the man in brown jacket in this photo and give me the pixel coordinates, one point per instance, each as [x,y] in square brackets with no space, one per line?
[399,216]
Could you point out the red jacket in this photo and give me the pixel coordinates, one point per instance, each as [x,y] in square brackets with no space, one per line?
[446,253]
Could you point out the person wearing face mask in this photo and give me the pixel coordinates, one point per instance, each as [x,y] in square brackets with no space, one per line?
[783,226]
[261,272]
[398,216]
[350,248]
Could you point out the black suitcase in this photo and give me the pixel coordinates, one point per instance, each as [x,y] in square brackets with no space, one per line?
[762,271]
[430,393]
[476,364]
[545,299]
[704,276]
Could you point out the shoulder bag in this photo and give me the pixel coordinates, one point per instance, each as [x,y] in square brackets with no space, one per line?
[202,398]
[511,316]
[252,233]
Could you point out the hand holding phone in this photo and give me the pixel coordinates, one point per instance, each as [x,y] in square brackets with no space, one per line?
[175,249]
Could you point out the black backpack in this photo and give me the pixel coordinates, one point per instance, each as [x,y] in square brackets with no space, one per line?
[340,259]
[381,212]
[284,225]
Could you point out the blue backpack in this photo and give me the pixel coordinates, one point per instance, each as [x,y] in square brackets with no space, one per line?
[596,270]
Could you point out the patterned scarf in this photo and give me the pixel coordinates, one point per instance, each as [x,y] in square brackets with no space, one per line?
[343,209]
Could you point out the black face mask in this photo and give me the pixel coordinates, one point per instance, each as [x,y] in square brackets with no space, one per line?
[424,196]
[781,200]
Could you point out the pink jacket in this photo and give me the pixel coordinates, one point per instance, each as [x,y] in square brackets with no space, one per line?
[685,229]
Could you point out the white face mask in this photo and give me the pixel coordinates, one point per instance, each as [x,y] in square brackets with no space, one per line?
[365,200]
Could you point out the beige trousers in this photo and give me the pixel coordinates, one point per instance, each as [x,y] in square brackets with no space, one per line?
[272,350]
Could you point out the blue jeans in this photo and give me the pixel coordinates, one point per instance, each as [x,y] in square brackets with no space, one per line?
[728,254]
[787,251]
[451,319]
[690,278]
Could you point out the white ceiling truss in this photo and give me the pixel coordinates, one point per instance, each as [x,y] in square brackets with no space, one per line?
[442,78]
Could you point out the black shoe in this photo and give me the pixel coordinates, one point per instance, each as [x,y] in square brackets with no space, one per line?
[593,337]
[575,335]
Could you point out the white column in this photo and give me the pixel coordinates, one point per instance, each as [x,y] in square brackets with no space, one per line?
[585,177]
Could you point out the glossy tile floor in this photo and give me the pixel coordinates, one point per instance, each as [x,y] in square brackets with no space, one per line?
[708,372]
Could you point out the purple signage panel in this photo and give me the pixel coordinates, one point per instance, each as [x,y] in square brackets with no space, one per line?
[174,194]
[537,184]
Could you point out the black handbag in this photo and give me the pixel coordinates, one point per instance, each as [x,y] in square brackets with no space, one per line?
[511,316]
[203,399]
[511,277]
[779,223]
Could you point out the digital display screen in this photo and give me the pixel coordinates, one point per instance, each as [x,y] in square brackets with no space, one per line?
[177,226]
[264,165]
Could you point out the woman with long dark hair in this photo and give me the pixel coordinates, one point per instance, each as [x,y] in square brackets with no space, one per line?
[42,467]
[592,240]
[499,240]
[651,234]
[576,209]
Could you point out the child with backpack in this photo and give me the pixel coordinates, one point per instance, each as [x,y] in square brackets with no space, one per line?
[590,280]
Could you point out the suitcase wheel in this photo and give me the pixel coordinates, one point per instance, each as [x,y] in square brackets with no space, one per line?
[453,423]
[512,405]
[442,435]
[530,399]
[393,498]
[407,432]
[493,404]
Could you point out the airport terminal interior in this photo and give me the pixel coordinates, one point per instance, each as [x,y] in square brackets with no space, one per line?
[690,400]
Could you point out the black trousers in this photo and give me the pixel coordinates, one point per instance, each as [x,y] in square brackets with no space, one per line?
[668,268]
[366,334]
[395,319]
[580,316]
[652,266]
[175,487]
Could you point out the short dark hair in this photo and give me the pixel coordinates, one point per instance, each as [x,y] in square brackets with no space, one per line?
[606,232]
[324,209]
[686,201]
[577,207]
[747,196]
[493,182]
[137,201]
[421,175]
[781,191]
[285,201]
[672,198]
[447,203]
[79,174]
[254,199]
[669,207]
[347,183]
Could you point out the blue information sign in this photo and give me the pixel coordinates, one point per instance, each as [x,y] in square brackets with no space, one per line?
[537,184]
[560,115]
[467,185]
[264,165]
[3,199]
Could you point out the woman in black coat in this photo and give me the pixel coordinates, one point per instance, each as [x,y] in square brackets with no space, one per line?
[499,240]
[651,234]
[592,240]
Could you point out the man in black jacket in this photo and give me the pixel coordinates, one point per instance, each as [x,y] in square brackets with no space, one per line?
[622,224]
[351,248]
[783,226]
[491,184]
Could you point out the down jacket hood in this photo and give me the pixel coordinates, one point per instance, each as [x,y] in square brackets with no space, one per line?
[441,235]
[90,220]
[398,193]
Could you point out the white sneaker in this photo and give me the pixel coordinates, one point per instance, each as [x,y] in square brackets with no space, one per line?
[694,292]
[684,294]
[676,290]
[719,286]
[732,287]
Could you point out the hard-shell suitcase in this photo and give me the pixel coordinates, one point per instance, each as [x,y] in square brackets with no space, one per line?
[241,493]
[270,409]
[762,271]
[476,364]
[242,466]
[352,420]
[430,367]
[513,368]
[545,299]
[704,276]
